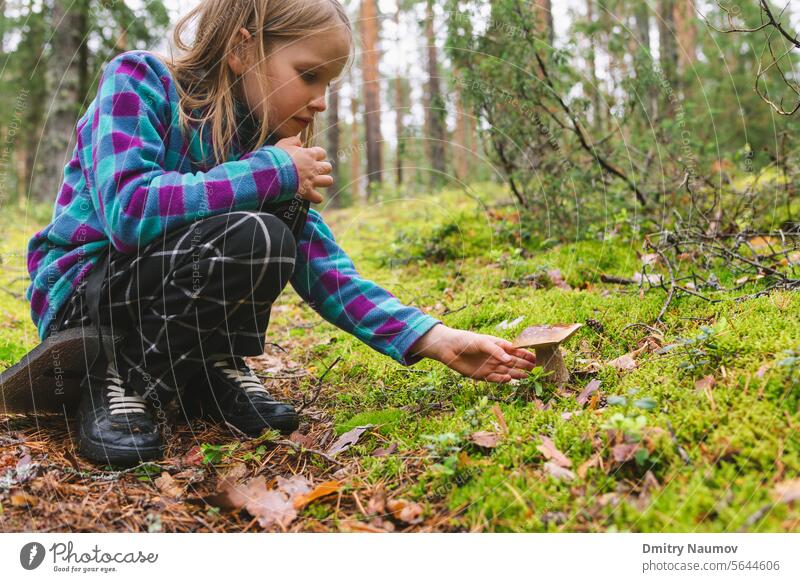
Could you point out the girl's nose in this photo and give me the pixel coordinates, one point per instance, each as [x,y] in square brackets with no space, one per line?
[318,104]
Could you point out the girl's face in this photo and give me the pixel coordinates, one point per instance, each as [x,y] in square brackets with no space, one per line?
[298,75]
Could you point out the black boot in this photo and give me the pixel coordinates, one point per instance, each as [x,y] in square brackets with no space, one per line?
[115,425]
[229,391]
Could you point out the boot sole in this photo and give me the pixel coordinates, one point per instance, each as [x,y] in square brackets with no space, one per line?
[48,378]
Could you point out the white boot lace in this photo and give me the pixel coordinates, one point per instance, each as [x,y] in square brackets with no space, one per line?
[244,378]
[119,402]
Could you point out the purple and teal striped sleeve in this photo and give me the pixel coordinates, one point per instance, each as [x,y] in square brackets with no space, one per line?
[136,198]
[326,279]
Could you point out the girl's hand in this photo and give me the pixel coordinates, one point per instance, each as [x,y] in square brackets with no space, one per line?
[475,355]
[312,169]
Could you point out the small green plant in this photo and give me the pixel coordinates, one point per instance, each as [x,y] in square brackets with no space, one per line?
[213,454]
[791,363]
[444,449]
[703,353]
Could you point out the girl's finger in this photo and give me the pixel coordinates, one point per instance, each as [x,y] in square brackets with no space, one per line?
[496,351]
[323,181]
[524,364]
[324,167]
[317,153]
[314,196]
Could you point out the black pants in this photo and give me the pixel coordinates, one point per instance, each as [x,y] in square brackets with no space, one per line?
[202,289]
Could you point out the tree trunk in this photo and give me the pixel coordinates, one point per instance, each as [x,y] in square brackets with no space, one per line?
[434,106]
[642,18]
[462,138]
[668,51]
[372,92]
[355,143]
[399,113]
[685,27]
[334,136]
[400,108]
[597,103]
[63,81]
[544,16]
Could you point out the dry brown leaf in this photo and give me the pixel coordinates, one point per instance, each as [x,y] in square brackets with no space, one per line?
[385,451]
[21,499]
[377,503]
[705,383]
[624,452]
[590,389]
[168,486]
[501,420]
[304,440]
[321,490]
[624,362]
[236,472]
[549,450]
[787,491]
[270,506]
[593,461]
[405,511]
[347,440]
[558,471]
[193,457]
[486,439]
[558,279]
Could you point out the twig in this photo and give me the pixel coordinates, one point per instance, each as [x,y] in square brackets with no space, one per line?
[318,388]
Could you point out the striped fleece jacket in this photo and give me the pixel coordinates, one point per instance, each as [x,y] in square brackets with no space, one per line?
[134,175]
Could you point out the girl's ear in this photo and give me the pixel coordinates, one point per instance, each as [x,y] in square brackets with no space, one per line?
[238,58]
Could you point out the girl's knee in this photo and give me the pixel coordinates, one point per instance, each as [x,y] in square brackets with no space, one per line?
[261,234]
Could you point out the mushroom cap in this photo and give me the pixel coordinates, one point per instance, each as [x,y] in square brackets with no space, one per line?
[540,336]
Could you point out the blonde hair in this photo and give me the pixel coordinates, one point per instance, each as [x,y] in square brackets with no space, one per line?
[202,76]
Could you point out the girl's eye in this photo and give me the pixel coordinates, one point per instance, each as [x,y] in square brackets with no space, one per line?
[309,76]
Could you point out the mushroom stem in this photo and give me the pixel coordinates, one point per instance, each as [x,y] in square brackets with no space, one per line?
[550,358]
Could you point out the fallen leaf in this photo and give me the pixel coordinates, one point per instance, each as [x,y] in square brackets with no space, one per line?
[558,472]
[705,383]
[304,440]
[21,498]
[650,279]
[549,450]
[590,389]
[271,507]
[236,472]
[321,490]
[486,439]
[377,503]
[168,486]
[385,451]
[558,280]
[787,491]
[593,461]
[650,259]
[347,440]
[624,452]
[405,511]
[193,457]
[505,324]
[501,420]
[294,486]
[624,362]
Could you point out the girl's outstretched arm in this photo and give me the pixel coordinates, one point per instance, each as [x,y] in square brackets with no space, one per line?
[131,154]
[326,279]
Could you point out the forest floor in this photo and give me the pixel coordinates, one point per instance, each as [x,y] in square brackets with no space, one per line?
[686,426]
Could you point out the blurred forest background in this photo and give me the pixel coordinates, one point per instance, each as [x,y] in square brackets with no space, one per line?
[586,110]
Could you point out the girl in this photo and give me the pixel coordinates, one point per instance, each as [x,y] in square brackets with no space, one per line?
[183,214]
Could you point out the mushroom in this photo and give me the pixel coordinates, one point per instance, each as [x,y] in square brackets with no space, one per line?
[545,339]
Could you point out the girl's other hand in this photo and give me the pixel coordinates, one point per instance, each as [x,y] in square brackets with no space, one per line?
[312,169]
[475,355]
